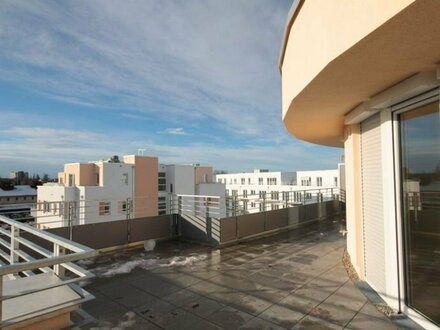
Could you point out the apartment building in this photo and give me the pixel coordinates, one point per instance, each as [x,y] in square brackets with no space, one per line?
[18,202]
[100,191]
[135,187]
[265,190]
[364,75]
[185,180]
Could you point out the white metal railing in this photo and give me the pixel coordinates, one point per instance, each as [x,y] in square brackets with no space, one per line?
[52,214]
[198,205]
[273,200]
[21,256]
[219,206]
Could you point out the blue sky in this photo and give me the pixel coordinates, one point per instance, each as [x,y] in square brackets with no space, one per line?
[192,81]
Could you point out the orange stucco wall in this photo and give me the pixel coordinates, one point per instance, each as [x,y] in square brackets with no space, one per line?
[85,174]
[200,172]
[146,185]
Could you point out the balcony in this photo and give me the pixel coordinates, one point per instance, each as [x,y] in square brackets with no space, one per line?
[291,280]
[275,269]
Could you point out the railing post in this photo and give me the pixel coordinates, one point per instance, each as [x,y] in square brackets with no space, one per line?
[58,251]
[70,220]
[15,232]
[179,204]
[208,219]
[234,206]
[1,295]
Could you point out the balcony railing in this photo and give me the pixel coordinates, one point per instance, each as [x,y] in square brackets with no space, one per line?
[37,273]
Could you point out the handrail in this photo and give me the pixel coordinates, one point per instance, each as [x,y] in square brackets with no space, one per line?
[73,246]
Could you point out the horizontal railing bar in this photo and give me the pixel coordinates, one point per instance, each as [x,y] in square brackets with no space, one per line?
[34,247]
[16,268]
[73,246]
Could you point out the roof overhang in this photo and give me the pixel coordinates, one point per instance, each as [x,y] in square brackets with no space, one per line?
[405,46]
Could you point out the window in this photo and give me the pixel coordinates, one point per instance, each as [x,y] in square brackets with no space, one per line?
[122,207]
[46,207]
[286,196]
[104,208]
[274,195]
[260,181]
[97,179]
[243,180]
[306,181]
[245,193]
[162,205]
[235,181]
[262,194]
[252,192]
[125,179]
[171,188]
[336,181]
[319,181]
[71,180]
[162,182]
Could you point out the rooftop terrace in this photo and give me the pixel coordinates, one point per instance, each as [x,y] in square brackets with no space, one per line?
[293,280]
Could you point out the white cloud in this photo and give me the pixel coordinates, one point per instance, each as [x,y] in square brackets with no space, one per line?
[49,149]
[175,131]
[205,60]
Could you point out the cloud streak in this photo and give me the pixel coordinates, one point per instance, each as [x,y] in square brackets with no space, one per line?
[203,69]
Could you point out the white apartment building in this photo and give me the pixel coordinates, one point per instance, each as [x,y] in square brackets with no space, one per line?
[185,180]
[99,191]
[264,190]
[134,187]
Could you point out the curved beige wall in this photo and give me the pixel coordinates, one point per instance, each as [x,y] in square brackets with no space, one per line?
[327,40]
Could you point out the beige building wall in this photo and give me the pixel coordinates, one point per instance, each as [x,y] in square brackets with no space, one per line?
[338,54]
[203,174]
[339,25]
[85,174]
[353,186]
[146,185]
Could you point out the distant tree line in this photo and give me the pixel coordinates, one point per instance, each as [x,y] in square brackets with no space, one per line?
[34,181]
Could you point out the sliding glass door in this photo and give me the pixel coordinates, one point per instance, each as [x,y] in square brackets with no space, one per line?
[420,179]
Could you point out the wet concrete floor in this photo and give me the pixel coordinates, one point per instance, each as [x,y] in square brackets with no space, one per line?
[293,280]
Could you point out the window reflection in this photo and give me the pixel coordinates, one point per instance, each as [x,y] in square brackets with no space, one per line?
[420,167]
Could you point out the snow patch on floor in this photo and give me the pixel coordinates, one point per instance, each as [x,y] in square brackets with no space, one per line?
[125,267]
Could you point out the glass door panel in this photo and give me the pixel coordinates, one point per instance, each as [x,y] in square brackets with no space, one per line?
[420,177]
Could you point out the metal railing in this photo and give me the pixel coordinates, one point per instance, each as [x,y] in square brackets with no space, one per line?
[52,214]
[26,252]
[198,205]
[273,200]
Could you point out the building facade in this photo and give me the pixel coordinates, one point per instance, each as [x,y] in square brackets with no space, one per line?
[185,180]
[135,187]
[262,190]
[364,75]
[18,202]
[100,191]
